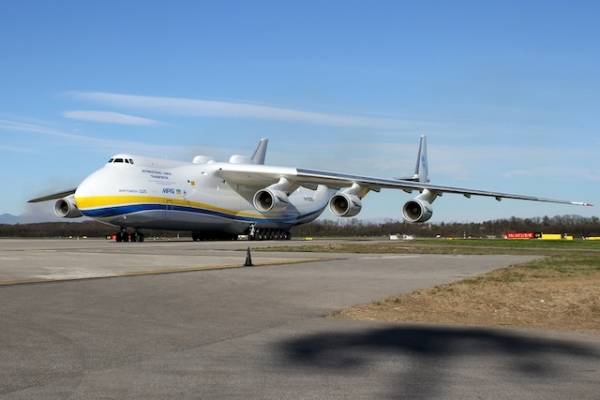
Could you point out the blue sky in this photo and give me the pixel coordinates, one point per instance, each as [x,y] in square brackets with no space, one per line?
[507,92]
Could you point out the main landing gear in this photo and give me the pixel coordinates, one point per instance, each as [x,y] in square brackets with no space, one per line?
[124,236]
[269,234]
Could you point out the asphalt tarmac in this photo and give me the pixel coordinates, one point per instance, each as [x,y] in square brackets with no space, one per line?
[28,261]
[262,332]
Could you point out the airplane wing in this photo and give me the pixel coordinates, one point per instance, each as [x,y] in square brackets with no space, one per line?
[53,196]
[260,176]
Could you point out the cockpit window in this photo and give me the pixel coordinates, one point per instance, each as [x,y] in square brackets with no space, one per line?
[121,160]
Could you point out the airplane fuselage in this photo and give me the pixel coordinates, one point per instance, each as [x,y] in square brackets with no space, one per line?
[164,194]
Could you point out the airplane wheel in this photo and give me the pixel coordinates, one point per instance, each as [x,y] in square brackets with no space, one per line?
[137,237]
[119,237]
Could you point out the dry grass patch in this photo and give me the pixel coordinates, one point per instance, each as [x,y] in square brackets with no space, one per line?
[558,292]
[444,246]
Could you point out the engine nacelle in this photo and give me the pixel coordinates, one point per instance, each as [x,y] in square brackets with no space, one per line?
[270,200]
[66,208]
[345,204]
[417,210]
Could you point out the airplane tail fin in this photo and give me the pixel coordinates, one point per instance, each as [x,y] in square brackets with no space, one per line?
[422,167]
[261,151]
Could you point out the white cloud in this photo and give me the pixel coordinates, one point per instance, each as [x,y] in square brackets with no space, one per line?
[457,162]
[109,117]
[96,144]
[229,109]
[89,141]
[15,149]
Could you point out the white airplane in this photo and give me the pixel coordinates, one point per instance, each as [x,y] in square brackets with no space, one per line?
[243,196]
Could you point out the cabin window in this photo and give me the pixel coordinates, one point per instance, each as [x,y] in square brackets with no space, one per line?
[111,160]
[118,160]
[127,161]
[130,161]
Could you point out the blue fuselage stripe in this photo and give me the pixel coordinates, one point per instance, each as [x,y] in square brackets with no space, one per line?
[134,208]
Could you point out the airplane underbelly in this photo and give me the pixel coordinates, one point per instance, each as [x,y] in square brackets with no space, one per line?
[177,220]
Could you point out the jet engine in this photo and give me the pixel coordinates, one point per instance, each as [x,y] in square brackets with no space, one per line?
[345,204]
[269,200]
[417,210]
[66,208]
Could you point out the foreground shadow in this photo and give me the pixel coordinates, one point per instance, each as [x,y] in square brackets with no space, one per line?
[425,353]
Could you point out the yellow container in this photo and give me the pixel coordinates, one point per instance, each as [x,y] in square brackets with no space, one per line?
[592,238]
[551,236]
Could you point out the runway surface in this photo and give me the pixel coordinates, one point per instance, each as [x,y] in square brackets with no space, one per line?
[261,333]
[28,261]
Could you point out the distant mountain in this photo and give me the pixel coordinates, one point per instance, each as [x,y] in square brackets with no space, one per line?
[35,213]
[9,219]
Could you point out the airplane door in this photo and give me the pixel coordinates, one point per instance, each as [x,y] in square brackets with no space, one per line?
[190,190]
[169,207]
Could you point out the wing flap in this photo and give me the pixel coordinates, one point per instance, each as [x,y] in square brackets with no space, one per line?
[254,176]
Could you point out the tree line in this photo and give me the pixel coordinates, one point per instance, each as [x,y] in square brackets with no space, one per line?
[571,224]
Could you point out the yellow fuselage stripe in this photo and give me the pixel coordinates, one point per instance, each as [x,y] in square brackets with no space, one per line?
[90,202]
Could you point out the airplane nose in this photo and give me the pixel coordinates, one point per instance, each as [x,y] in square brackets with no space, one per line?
[88,187]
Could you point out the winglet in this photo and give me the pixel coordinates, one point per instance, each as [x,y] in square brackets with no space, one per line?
[261,151]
